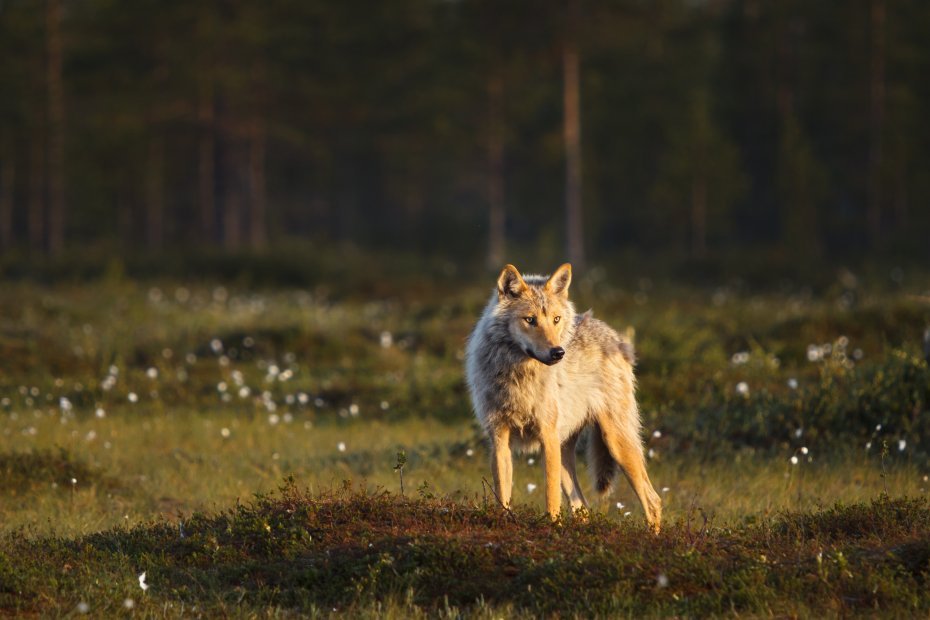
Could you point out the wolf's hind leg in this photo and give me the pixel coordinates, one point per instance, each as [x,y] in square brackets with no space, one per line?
[570,485]
[502,464]
[627,450]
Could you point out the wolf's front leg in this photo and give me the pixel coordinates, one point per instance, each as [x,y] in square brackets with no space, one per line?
[552,452]
[502,464]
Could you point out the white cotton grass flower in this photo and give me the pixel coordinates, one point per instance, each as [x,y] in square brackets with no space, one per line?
[620,506]
[742,388]
[341,446]
[82,607]
[740,358]
[794,460]
[662,580]
[902,444]
[100,412]
[244,391]
[469,452]
[353,409]
[385,405]
[216,345]
[531,461]
[128,603]
[65,404]
[224,433]
[142,583]
[152,373]
[656,434]
[530,487]
[793,383]
[133,397]
[804,450]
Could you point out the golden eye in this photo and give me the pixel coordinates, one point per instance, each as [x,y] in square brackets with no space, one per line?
[530,319]
[557,319]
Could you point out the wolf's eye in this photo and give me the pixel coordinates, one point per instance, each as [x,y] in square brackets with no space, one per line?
[530,319]
[556,319]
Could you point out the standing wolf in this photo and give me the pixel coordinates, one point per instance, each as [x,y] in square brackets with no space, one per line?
[539,375]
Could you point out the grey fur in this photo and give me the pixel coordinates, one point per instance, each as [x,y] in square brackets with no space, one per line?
[522,398]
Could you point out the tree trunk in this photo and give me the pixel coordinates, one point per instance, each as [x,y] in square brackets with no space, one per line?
[7,178]
[56,190]
[496,222]
[876,121]
[232,195]
[36,216]
[699,216]
[206,170]
[572,136]
[258,217]
[155,194]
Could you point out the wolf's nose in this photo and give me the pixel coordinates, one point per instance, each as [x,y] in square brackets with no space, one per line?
[557,353]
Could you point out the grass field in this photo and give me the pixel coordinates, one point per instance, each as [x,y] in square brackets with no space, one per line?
[240,446]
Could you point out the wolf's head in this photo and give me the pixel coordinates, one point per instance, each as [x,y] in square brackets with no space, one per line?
[537,311]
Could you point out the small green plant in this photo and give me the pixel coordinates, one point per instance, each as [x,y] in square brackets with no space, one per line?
[399,467]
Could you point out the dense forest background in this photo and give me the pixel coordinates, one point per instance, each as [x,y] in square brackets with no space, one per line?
[467,127]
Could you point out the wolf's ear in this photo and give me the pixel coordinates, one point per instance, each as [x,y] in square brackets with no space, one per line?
[558,282]
[510,283]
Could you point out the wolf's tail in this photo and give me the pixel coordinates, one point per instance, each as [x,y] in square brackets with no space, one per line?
[600,462]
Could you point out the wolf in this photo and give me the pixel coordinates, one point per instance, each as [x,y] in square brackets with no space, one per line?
[539,374]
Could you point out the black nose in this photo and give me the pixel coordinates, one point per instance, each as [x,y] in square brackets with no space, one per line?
[557,353]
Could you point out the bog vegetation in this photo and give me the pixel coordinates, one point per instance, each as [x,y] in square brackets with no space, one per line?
[241,447]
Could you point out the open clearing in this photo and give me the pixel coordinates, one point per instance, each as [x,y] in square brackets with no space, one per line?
[239,446]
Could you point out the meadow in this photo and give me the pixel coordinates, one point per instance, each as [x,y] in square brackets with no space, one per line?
[273,450]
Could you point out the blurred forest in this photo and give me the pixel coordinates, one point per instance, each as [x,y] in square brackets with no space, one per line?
[467,127]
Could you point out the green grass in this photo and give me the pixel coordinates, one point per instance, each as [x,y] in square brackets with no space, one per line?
[131,412]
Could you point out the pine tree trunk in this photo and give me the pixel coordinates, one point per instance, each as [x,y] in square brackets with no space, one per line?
[876,121]
[258,217]
[7,178]
[206,171]
[56,190]
[36,215]
[154,194]
[572,136]
[232,195]
[699,216]
[496,221]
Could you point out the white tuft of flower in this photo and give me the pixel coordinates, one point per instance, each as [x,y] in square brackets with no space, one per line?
[793,383]
[83,608]
[794,460]
[341,446]
[662,580]
[216,345]
[65,404]
[868,445]
[100,413]
[620,506]
[742,388]
[244,391]
[302,398]
[386,340]
[804,450]
[190,358]
[385,405]
[224,432]
[665,489]
[152,373]
[91,435]
[353,409]
[656,434]
[221,387]
[627,513]
[902,444]
[288,417]
[133,397]
[530,461]
[128,603]
[530,487]
[471,452]
[740,358]
[286,375]
[273,419]
[142,583]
